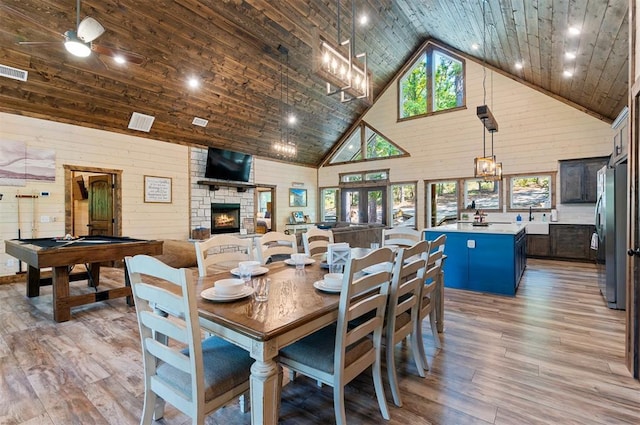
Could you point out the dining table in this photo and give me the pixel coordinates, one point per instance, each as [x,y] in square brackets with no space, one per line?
[295,308]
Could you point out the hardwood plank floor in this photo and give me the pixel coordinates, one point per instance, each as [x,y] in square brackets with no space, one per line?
[554,354]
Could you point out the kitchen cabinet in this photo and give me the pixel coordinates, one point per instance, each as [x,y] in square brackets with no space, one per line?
[538,246]
[486,259]
[571,242]
[578,179]
[620,136]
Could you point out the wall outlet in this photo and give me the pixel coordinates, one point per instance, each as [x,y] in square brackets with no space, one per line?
[471,243]
[11,262]
[44,219]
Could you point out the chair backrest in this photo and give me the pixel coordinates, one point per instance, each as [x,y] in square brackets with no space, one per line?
[315,240]
[168,322]
[338,253]
[362,296]
[223,250]
[401,236]
[406,286]
[275,243]
[436,250]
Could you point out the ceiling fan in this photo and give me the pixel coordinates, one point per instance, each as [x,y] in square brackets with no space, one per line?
[79,41]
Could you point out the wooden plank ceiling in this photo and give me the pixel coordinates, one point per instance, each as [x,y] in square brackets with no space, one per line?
[232,47]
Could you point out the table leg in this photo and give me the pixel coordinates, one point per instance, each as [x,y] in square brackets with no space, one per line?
[61,307]
[94,272]
[265,392]
[440,303]
[127,283]
[33,282]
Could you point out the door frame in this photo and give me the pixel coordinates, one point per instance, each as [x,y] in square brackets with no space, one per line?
[68,195]
[632,343]
[363,192]
[270,188]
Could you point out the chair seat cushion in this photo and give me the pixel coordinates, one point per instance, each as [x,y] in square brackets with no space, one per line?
[317,350]
[225,367]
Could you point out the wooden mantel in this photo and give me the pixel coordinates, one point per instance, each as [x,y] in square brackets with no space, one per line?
[216,185]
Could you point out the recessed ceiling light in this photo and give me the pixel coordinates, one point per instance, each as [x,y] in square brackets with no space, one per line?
[291,119]
[193,82]
[475,46]
[570,55]
[567,74]
[574,30]
[363,19]
[519,65]
[119,59]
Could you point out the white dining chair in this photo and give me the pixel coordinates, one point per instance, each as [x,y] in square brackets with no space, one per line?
[432,284]
[403,309]
[196,376]
[224,251]
[275,243]
[315,241]
[400,236]
[338,254]
[337,354]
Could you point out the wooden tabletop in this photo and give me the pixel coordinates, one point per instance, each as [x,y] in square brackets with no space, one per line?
[292,302]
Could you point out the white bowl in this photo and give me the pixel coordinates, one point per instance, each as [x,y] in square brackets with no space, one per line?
[298,258]
[249,265]
[333,280]
[229,286]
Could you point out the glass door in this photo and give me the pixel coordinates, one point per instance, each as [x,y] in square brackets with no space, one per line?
[364,205]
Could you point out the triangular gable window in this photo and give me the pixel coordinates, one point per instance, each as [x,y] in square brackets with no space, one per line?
[365,143]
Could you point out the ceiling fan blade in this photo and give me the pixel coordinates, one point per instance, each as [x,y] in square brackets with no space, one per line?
[130,57]
[36,43]
[89,29]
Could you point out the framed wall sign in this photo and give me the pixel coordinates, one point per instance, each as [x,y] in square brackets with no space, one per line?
[157,189]
[297,197]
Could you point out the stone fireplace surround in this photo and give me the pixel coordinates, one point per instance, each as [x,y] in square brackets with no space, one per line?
[202,197]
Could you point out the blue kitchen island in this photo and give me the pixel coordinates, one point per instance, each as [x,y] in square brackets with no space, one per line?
[483,258]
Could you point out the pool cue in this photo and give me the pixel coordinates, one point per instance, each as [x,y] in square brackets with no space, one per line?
[18,196]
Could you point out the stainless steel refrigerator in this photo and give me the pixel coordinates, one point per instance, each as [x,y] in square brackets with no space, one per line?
[611,228]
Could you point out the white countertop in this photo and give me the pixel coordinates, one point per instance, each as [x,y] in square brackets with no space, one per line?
[497,228]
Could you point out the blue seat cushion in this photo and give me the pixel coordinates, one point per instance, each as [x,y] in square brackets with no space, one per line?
[225,367]
[317,350]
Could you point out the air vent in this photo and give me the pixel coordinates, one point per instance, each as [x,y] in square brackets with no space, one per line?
[141,122]
[13,73]
[200,121]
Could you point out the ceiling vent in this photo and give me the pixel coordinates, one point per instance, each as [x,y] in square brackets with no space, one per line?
[13,73]
[200,121]
[141,122]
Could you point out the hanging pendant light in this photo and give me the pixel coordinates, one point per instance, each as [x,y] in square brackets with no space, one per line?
[285,146]
[486,166]
[344,71]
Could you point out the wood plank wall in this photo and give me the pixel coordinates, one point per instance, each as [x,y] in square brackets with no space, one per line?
[535,131]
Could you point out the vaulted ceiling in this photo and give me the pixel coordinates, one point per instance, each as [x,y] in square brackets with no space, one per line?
[232,47]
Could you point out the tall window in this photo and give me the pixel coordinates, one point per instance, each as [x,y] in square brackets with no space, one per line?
[443,202]
[403,204]
[434,82]
[329,204]
[532,191]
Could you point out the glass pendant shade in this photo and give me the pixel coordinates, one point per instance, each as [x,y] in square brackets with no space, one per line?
[485,166]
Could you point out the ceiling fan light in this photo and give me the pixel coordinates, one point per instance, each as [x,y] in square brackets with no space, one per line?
[75,46]
[89,29]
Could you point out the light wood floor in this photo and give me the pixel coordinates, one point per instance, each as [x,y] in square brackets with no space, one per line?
[554,354]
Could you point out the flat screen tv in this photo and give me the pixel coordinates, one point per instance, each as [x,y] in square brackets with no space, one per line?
[228,165]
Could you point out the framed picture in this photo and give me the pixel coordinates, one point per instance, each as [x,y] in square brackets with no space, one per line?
[298,216]
[297,197]
[157,189]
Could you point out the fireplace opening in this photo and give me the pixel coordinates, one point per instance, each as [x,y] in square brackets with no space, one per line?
[225,218]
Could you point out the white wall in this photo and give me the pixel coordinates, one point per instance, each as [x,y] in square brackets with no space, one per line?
[80,146]
[535,131]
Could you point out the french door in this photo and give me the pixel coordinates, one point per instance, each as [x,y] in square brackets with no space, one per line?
[364,205]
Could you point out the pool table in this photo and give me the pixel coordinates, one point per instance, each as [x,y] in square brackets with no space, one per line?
[61,255]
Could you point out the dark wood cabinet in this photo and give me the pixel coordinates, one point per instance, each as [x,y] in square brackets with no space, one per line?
[578,179]
[538,246]
[571,241]
[564,242]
